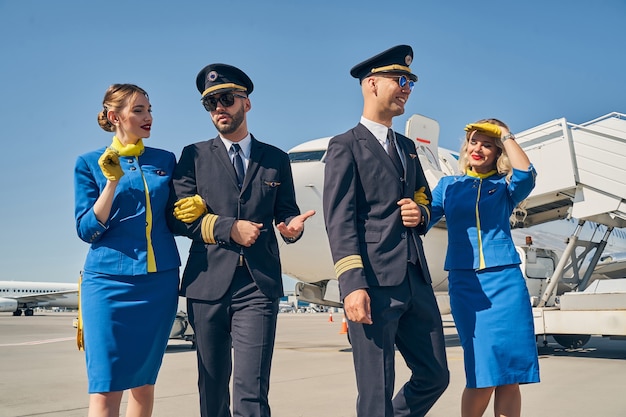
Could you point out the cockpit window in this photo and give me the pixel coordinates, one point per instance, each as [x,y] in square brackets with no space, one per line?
[306,156]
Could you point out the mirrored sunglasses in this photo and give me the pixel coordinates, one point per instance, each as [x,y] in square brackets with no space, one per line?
[403,81]
[226,99]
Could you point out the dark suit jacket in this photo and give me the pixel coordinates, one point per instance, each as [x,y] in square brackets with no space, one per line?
[267,196]
[361,188]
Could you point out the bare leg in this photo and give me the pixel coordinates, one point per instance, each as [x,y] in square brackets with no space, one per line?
[105,404]
[474,401]
[140,401]
[508,401]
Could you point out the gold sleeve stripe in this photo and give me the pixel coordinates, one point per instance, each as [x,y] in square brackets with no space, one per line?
[348,263]
[208,224]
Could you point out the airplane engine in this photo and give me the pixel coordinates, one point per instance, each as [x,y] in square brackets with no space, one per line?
[7,304]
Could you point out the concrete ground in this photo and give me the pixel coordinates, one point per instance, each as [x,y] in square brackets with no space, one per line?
[43,374]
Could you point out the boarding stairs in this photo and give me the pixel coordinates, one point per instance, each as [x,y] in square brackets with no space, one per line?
[581,171]
[581,174]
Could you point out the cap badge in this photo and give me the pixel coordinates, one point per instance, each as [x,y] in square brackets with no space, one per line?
[408,59]
[212,76]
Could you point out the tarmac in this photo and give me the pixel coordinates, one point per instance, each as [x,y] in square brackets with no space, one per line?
[43,374]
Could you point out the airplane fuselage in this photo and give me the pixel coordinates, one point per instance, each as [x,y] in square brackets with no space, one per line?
[310,259]
[18,295]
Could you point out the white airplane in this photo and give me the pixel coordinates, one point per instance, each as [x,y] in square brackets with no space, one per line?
[541,242]
[22,296]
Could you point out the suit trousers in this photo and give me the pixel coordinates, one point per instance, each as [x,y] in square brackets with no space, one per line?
[244,320]
[407,317]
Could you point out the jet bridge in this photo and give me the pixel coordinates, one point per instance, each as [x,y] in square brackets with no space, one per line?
[581,174]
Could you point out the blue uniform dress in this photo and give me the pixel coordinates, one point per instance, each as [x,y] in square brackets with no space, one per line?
[488,295]
[129,290]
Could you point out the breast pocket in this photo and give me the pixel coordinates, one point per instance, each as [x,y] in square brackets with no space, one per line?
[271,183]
[157,178]
[269,187]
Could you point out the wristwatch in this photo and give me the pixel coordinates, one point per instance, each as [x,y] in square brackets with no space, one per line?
[292,239]
[507,137]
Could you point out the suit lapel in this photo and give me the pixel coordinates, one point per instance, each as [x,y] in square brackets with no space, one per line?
[221,154]
[256,154]
[409,161]
[375,147]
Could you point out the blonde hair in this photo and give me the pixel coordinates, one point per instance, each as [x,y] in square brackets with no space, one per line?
[502,165]
[116,98]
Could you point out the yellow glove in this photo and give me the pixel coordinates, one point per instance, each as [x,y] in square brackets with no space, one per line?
[486,128]
[189,209]
[110,165]
[420,197]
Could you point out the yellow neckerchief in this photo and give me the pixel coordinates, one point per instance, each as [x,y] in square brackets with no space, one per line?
[478,175]
[136,149]
[132,149]
[473,174]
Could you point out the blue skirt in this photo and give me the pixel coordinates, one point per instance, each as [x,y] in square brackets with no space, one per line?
[126,325]
[493,316]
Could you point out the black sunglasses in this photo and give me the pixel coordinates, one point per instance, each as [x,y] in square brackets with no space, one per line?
[227,100]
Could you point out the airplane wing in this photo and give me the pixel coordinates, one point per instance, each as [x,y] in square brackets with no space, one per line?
[43,298]
[611,266]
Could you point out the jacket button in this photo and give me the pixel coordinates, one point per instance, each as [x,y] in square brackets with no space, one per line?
[403,235]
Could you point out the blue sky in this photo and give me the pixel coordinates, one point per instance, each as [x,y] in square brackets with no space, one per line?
[523,62]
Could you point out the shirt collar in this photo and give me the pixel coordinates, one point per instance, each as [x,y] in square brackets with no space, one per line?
[378,130]
[245,143]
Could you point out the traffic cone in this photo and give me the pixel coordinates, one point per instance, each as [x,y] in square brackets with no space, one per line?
[344,326]
[330,316]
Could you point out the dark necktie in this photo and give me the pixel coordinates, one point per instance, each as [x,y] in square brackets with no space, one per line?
[238,163]
[395,158]
[393,153]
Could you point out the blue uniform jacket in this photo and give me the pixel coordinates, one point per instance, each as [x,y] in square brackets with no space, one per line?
[119,247]
[477,212]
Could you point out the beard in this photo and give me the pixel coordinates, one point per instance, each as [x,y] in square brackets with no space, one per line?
[236,121]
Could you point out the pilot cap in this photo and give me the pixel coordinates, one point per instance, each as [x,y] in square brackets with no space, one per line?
[216,78]
[394,60]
